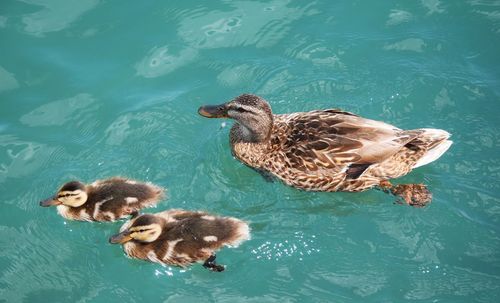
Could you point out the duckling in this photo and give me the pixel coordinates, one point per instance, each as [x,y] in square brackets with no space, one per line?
[180,237]
[328,150]
[104,200]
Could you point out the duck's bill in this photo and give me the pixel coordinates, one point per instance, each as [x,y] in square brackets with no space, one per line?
[50,202]
[213,111]
[120,238]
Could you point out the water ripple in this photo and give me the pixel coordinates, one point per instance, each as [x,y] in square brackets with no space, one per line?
[61,111]
[56,15]
[160,61]
[22,158]
[7,80]
[247,23]
[362,284]
[411,44]
[41,271]
[3,21]
[318,53]
[433,6]
[398,16]
[427,283]
[488,9]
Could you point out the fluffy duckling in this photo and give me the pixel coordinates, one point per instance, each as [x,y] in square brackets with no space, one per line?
[328,150]
[104,200]
[180,237]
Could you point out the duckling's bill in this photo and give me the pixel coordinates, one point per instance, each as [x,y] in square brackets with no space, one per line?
[50,202]
[214,111]
[121,237]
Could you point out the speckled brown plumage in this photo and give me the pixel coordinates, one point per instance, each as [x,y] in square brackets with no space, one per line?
[416,195]
[324,150]
[110,199]
[186,236]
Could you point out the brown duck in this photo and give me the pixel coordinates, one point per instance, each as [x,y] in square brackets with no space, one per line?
[328,150]
[180,237]
[104,200]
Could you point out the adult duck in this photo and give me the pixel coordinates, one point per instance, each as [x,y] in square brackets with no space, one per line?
[328,150]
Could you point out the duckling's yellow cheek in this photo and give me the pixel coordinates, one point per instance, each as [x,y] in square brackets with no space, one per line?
[139,236]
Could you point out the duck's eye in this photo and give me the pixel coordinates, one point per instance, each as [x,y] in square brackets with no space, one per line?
[240,109]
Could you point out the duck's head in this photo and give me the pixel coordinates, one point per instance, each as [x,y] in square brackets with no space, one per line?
[72,194]
[252,112]
[145,228]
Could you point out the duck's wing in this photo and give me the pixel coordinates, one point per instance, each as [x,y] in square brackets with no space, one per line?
[337,141]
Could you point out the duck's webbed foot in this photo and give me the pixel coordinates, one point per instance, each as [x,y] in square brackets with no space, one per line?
[211,265]
[416,195]
[413,194]
[385,186]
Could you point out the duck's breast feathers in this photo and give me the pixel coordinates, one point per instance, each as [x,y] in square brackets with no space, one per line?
[81,213]
[333,139]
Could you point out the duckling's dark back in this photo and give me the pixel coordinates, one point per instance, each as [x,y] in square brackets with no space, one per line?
[120,188]
[116,198]
[204,230]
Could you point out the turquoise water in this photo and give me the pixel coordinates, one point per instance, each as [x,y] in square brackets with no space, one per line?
[91,89]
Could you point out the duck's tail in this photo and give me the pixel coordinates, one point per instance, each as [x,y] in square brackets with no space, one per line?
[240,232]
[435,141]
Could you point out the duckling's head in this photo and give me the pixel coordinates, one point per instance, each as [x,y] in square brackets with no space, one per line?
[145,228]
[72,194]
[252,112]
